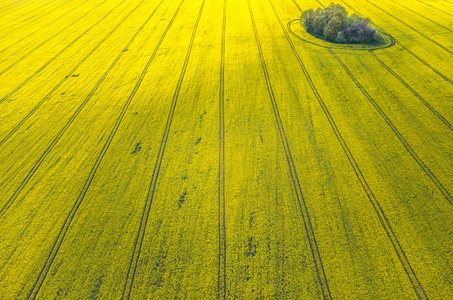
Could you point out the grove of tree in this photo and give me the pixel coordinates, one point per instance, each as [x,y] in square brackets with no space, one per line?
[334,25]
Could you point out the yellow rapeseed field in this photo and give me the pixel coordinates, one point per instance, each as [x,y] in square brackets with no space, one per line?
[212,149]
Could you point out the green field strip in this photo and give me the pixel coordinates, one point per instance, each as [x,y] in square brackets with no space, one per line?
[10,132]
[403,140]
[58,131]
[221,267]
[71,151]
[363,182]
[39,27]
[320,272]
[7,96]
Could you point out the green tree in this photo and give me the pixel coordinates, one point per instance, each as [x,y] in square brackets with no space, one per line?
[306,20]
[340,38]
[336,11]
[333,28]
[318,25]
[333,24]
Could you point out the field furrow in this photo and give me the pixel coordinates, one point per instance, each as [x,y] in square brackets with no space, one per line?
[82,40]
[202,149]
[27,20]
[347,151]
[221,269]
[437,7]
[320,272]
[29,32]
[437,57]
[23,8]
[49,140]
[406,171]
[6,4]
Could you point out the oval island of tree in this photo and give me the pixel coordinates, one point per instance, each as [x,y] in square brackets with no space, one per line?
[334,25]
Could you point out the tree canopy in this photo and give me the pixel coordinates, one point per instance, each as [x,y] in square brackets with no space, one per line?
[334,25]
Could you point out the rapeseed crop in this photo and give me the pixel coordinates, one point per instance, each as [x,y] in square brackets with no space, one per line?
[200,149]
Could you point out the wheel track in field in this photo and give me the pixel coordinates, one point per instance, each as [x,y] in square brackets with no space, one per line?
[128,285]
[406,145]
[11,11]
[56,56]
[221,276]
[303,209]
[419,97]
[418,289]
[60,238]
[42,43]
[10,4]
[29,19]
[420,15]
[50,94]
[449,2]
[67,125]
[410,51]
[4,49]
[31,11]
[436,8]
[412,28]
[390,38]
[424,62]
[24,25]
